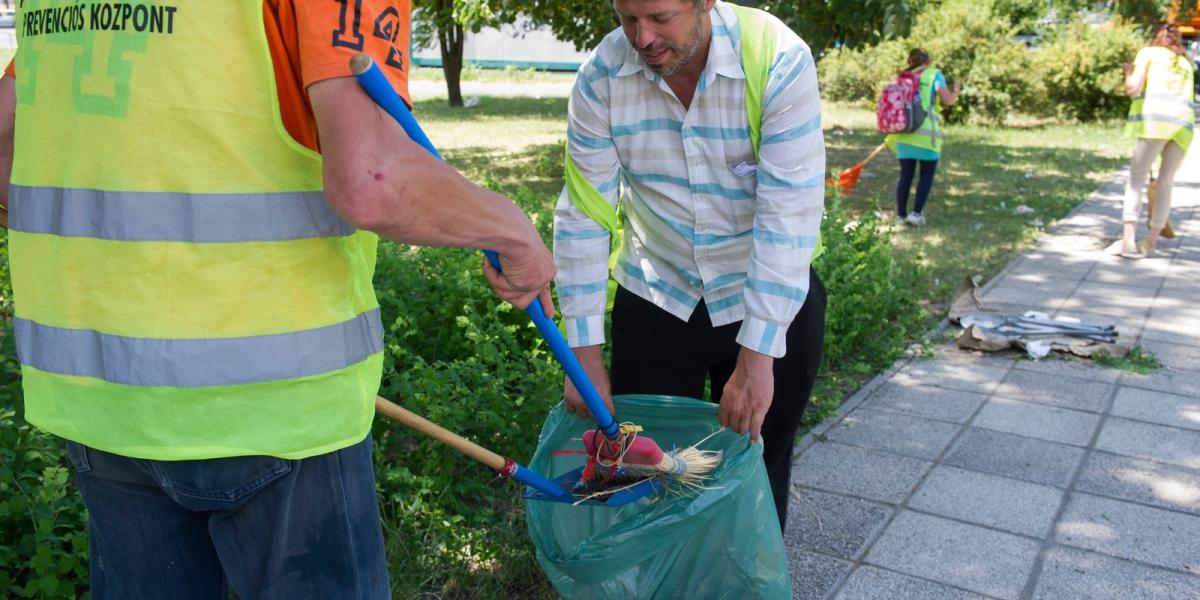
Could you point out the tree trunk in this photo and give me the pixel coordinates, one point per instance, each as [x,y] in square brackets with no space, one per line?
[450,40]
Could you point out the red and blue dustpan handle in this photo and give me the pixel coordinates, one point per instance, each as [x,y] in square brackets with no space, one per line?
[380,90]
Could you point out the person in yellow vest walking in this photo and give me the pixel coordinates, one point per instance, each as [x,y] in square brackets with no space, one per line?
[192,270]
[922,147]
[1162,120]
[707,115]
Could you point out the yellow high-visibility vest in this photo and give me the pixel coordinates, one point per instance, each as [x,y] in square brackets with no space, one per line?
[929,134]
[182,288]
[1164,111]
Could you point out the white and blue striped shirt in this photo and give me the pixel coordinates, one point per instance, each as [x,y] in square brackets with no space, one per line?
[693,227]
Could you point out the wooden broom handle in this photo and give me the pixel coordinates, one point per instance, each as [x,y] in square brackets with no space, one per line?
[877,150]
[410,419]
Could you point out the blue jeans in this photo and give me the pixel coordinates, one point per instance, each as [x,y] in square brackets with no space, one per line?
[270,527]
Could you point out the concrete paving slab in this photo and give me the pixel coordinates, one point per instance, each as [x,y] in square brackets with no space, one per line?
[998,502]
[1155,442]
[1106,299]
[1054,263]
[1151,535]
[1157,407]
[1141,274]
[832,524]
[1175,356]
[815,575]
[965,556]
[1176,381]
[860,472]
[895,432]
[1038,421]
[873,583]
[972,376]
[1055,390]
[1070,573]
[1139,480]
[1014,456]
[1050,296]
[1173,303]
[955,406]
[1060,366]
[1172,330]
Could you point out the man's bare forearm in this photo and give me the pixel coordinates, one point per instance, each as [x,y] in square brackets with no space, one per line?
[382,181]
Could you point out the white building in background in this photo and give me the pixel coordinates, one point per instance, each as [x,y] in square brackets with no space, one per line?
[520,44]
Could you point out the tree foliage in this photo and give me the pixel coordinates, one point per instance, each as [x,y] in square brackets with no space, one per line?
[581,22]
[449,22]
[846,23]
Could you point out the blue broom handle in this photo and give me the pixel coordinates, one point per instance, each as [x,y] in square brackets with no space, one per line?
[380,90]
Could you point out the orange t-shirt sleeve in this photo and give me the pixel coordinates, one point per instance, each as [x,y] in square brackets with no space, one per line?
[9,70]
[313,40]
[330,33]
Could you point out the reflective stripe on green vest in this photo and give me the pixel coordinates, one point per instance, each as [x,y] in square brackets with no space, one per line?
[754,26]
[1164,110]
[182,288]
[929,134]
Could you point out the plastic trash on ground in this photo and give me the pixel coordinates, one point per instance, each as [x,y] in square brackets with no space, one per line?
[719,542]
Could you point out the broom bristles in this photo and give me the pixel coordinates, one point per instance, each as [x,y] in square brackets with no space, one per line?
[689,466]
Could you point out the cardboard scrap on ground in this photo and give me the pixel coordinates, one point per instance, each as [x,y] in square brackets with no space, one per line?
[969,311]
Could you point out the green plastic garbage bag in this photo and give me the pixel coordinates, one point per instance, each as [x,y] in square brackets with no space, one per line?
[719,542]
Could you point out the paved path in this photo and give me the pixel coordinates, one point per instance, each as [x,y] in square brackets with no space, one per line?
[968,475]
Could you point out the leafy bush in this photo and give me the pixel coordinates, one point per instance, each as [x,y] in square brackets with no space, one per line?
[873,299]
[1080,70]
[859,75]
[476,366]
[43,524]
[965,39]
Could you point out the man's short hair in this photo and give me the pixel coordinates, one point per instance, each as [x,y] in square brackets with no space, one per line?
[697,4]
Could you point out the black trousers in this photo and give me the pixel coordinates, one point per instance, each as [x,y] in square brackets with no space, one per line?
[908,168]
[655,353]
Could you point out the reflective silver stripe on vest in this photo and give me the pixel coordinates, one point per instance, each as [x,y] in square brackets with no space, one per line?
[186,363]
[1187,124]
[174,217]
[933,133]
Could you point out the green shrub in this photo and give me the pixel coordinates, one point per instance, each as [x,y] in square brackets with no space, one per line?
[43,524]
[1080,70]
[965,40]
[873,305]
[858,76]
[476,366]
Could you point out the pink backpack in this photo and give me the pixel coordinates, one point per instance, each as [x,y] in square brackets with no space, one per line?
[900,109]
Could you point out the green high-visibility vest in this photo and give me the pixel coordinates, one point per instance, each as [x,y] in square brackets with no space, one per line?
[1164,109]
[929,134]
[182,288]
[757,54]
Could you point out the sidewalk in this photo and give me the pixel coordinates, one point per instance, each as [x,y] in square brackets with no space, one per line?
[969,475]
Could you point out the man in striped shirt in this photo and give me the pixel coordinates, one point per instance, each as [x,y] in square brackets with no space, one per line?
[714,276]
